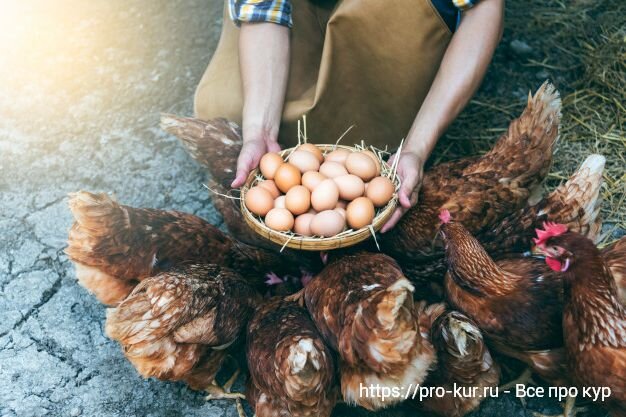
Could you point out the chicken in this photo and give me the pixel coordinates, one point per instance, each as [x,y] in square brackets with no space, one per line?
[516,302]
[594,320]
[480,191]
[615,257]
[115,246]
[292,371]
[463,360]
[575,203]
[362,305]
[178,324]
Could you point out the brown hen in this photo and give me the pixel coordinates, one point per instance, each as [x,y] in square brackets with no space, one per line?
[480,191]
[115,246]
[292,371]
[463,360]
[363,306]
[517,302]
[177,325]
[594,320]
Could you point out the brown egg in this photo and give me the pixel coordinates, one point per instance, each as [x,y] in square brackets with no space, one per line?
[332,169]
[338,155]
[380,190]
[327,223]
[304,161]
[259,201]
[374,158]
[298,199]
[350,186]
[360,213]
[361,165]
[279,219]
[287,176]
[325,195]
[269,164]
[341,211]
[312,179]
[309,147]
[270,186]
[302,225]
[280,202]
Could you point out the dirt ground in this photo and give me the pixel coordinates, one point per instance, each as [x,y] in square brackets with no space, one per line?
[81,88]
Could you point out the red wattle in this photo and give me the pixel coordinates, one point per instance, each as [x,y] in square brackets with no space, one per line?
[554,264]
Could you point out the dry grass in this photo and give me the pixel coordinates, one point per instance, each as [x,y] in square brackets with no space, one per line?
[581,47]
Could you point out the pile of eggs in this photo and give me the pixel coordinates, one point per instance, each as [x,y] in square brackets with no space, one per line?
[313,194]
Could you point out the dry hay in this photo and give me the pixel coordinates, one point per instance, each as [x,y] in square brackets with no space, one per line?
[581,47]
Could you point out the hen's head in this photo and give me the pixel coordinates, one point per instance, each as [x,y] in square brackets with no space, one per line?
[561,247]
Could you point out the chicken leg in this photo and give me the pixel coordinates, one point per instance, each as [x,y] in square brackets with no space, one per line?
[217,392]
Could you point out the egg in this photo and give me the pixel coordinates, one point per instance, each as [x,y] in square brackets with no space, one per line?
[360,213]
[298,199]
[312,179]
[287,176]
[304,161]
[327,223]
[302,225]
[259,201]
[325,195]
[269,164]
[309,147]
[270,186]
[375,159]
[361,165]
[338,155]
[341,211]
[380,190]
[279,219]
[280,202]
[332,169]
[350,186]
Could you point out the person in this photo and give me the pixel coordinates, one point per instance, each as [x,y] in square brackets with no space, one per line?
[392,70]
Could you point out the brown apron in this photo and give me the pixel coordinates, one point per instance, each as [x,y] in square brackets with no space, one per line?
[367,63]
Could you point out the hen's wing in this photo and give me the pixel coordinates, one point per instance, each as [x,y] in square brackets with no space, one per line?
[576,203]
[462,359]
[486,189]
[614,256]
[363,306]
[170,323]
[291,369]
[115,246]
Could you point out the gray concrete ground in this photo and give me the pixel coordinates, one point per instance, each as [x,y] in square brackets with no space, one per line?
[81,87]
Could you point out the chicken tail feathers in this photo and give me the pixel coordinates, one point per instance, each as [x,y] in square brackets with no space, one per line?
[215,143]
[577,202]
[97,218]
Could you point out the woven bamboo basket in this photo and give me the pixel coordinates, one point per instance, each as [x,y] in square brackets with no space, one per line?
[344,239]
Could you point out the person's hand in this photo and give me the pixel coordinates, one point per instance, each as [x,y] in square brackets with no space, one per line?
[410,170]
[250,155]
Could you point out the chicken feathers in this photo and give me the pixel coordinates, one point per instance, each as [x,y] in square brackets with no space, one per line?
[292,372]
[176,325]
[363,306]
[115,246]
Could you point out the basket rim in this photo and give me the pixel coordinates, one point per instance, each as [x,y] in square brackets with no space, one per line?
[344,239]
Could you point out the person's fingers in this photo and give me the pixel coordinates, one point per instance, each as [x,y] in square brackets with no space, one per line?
[242,172]
[392,158]
[409,181]
[393,220]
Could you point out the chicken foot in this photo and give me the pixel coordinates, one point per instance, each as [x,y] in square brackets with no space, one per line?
[525,378]
[217,392]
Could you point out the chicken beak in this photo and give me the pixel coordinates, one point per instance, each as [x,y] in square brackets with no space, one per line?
[538,250]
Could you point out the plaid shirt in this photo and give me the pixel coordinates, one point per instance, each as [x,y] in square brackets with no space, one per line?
[279,11]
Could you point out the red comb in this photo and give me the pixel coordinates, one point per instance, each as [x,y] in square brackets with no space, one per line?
[550,230]
[444,216]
